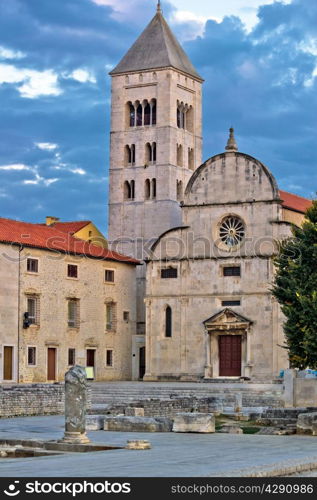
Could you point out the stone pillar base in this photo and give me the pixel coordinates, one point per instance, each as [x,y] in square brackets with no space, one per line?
[150,378]
[75,438]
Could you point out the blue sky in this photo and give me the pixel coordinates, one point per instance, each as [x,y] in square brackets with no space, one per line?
[259,60]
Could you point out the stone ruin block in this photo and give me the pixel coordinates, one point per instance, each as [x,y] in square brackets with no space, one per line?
[194,422]
[134,412]
[137,424]
[307,423]
[95,422]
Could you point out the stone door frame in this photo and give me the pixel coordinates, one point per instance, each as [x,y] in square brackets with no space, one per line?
[220,325]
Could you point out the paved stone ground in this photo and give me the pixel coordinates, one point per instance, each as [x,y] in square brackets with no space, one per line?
[173,455]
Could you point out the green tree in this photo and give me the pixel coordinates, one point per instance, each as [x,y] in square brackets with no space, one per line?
[295,288]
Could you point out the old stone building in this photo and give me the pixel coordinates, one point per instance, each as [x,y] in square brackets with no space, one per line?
[208,233]
[210,312]
[63,301]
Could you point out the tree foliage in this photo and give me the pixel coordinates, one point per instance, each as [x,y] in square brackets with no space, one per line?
[295,288]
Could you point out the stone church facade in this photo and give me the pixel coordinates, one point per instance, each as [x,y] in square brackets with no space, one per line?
[207,232]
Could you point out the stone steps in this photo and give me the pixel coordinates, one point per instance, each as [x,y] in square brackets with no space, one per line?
[170,398]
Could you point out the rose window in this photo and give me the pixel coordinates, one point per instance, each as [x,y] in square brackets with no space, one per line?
[232,231]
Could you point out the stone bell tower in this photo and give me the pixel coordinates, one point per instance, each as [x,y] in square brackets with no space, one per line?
[156,142]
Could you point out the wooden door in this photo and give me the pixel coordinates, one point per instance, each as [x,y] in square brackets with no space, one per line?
[8,363]
[141,362]
[91,357]
[230,355]
[51,363]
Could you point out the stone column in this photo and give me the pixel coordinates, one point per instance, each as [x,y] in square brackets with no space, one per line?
[75,405]
[208,370]
[289,381]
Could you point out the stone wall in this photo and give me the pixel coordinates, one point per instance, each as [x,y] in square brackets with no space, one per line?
[31,399]
[169,408]
[299,392]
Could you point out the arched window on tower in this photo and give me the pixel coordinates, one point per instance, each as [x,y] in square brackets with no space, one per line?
[127,190]
[148,153]
[179,155]
[153,188]
[154,152]
[139,115]
[147,189]
[132,184]
[168,322]
[154,117]
[127,156]
[190,119]
[179,190]
[131,114]
[133,154]
[191,158]
[178,117]
[147,113]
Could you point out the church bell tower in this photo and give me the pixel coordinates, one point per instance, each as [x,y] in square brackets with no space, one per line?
[156,142]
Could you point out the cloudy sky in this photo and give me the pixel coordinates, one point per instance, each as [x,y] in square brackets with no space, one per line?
[258,57]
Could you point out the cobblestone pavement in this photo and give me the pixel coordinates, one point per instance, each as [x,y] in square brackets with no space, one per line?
[173,455]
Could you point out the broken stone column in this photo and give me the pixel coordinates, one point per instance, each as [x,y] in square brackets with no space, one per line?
[75,406]
[238,403]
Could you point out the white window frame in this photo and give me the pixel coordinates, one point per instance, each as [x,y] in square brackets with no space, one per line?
[38,265]
[27,354]
[114,276]
[75,320]
[36,316]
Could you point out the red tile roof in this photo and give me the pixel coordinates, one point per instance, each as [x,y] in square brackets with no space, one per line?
[71,227]
[50,238]
[295,202]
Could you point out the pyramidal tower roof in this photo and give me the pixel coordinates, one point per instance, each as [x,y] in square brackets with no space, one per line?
[156,47]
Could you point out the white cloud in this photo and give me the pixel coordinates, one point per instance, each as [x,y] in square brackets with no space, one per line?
[79,171]
[15,167]
[39,181]
[30,83]
[310,81]
[81,75]
[6,53]
[40,83]
[46,146]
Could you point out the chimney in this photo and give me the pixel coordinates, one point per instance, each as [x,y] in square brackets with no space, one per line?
[50,221]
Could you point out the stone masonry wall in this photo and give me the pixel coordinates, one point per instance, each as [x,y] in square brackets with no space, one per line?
[31,399]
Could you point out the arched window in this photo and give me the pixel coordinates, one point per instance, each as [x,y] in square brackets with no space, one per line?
[133,154]
[154,152]
[191,158]
[147,114]
[153,188]
[147,189]
[190,119]
[153,122]
[139,113]
[148,153]
[179,155]
[132,184]
[183,119]
[168,322]
[131,114]
[127,191]
[179,190]
[178,118]
[127,156]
